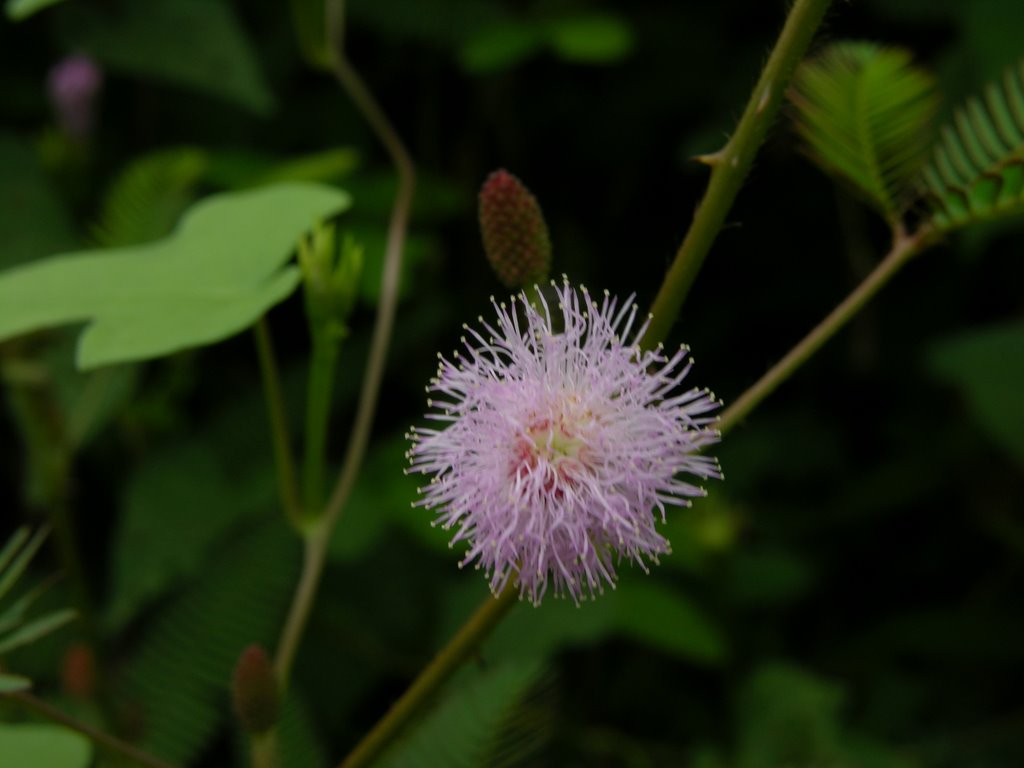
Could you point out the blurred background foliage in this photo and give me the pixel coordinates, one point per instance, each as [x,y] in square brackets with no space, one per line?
[849,597]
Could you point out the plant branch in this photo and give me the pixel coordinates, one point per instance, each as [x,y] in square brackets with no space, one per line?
[318,412]
[319,535]
[102,740]
[278,423]
[448,660]
[730,165]
[904,247]
[729,168]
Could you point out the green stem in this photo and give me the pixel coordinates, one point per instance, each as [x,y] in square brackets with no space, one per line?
[278,423]
[318,411]
[729,168]
[102,740]
[904,247]
[459,648]
[319,536]
[314,556]
[730,165]
[263,750]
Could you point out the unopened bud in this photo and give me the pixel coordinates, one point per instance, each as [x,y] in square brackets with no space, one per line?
[254,690]
[515,235]
[331,276]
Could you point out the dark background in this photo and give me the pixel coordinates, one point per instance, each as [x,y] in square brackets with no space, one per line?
[850,596]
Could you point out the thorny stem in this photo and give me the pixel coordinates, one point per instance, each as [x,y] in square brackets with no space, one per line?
[318,536]
[102,740]
[278,423]
[448,660]
[903,249]
[730,165]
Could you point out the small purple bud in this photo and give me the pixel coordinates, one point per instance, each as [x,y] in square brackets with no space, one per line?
[73,85]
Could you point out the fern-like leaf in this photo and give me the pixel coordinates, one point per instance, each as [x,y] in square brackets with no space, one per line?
[977,171]
[462,730]
[17,629]
[147,198]
[865,114]
[181,671]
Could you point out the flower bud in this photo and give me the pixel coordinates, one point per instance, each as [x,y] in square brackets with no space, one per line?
[331,276]
[515,236]
[255,692]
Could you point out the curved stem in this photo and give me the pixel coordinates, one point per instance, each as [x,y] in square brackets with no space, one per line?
[278,423]
[904,247]
[314,555]
[318,537]
[450,658]
[730,165]
[100,739]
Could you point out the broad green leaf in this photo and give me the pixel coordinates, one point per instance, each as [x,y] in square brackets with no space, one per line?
[43,746]
[36,629]
[19,10]
[865,114]
[987,366]
[222,268]
[977,170]
[34,221]
[198,44]
[594,38]
[13,683]
[147,198]
[467,719]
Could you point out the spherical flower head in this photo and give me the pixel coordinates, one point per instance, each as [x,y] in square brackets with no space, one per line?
[561,442]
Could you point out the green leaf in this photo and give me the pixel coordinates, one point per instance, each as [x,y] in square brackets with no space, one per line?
[593,38]
[43,746]
[14,683]
[179,508]
[662,618]
[987,366]
[16,555]
[977,170]
[198,44]
[865,114]
[19,10]
[468,718]
[36,629]
[178,676]
[500,46]
[222,268]
[646,612]
[148,197]
[788,717]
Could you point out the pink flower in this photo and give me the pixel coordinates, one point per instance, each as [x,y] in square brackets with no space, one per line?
[561,438]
